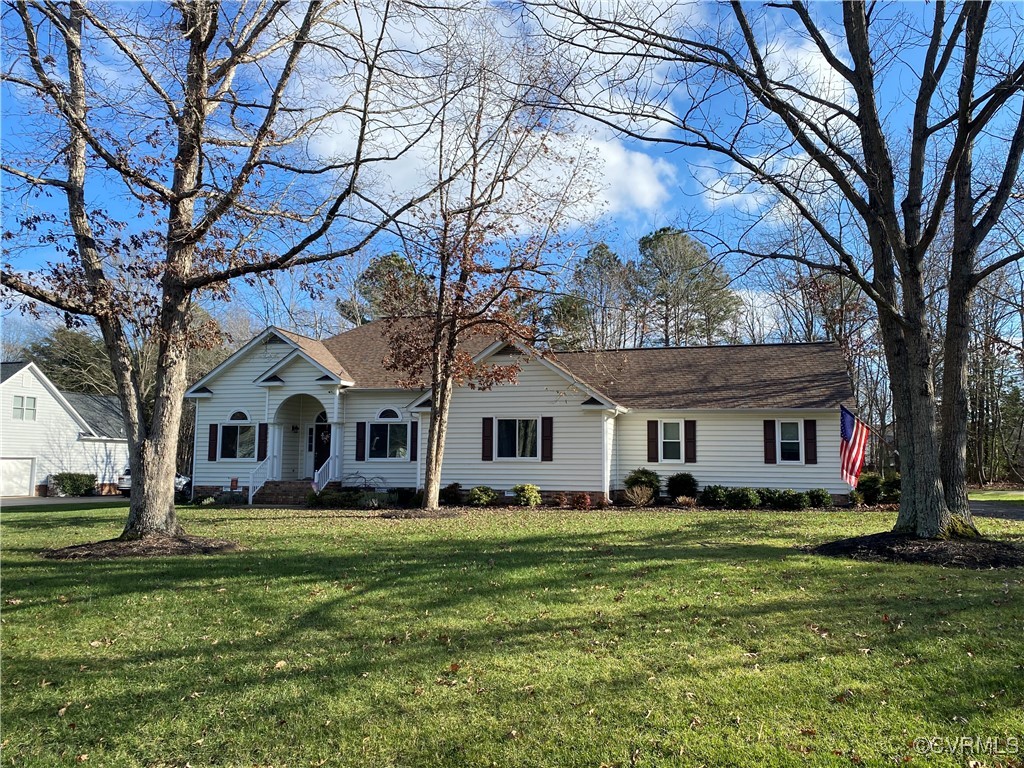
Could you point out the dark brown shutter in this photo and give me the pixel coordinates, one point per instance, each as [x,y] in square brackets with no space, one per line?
[652,441]
[414,441]
[211,454]
[547,428]
[810,441]
[769,442]
[261,442]
[690,441]
[360,441]
[487,440]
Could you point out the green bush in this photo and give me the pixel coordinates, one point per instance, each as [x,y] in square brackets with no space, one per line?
[793,500]
[712,496]
[482,496]
[74,483]
[819,498]
[450,495]
[581,501]
[527,495]
[870,485]
[742,498]
[404,497]
[681,484]
[891,489]
[347,498]
[647,477]
[769,497]
[856,498]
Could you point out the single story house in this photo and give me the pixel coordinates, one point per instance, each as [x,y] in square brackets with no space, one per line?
[286,408]
[44,431]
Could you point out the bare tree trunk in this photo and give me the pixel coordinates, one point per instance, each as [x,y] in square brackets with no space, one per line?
[435,442]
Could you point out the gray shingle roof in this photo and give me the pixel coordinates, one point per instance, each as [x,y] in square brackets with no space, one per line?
[101,412]
[747,376]
[9,369]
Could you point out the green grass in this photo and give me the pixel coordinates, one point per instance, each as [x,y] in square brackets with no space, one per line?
[996,495]
[501,638]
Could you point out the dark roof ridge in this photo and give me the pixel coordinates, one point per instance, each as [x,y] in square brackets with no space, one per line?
[697,346]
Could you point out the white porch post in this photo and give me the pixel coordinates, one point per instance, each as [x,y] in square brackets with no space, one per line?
[276,446]
[336,450]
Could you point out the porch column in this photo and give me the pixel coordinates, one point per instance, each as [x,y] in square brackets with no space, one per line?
[276,444]
[336,450]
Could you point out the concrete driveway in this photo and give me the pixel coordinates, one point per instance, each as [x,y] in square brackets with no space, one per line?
[1007,510]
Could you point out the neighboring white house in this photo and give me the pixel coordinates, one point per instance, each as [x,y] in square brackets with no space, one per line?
[44,431]
[286,407]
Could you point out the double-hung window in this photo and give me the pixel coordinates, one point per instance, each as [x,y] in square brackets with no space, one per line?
[238,440]
[517,439]
[24,408]
[789,441]
[671,441]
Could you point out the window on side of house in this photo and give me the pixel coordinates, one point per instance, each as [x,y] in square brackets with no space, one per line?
[789,441]
[388,441]
[517,439]
[24,408]
[671,441]
[238,439]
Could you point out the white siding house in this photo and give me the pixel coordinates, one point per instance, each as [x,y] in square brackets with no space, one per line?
[44,432]
[289,409]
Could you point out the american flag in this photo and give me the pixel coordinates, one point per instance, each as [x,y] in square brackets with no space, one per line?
[851,447]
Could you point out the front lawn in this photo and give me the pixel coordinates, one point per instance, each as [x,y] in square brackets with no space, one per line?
[503,638]
[980,495]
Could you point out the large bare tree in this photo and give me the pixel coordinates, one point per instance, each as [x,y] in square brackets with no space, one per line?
[493,237]
[155,153]
[864,119]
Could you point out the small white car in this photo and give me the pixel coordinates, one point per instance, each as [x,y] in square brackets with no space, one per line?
[124,482]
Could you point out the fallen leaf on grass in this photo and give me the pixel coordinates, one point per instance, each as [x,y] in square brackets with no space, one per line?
[281,664]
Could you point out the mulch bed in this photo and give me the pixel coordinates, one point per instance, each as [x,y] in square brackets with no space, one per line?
[150,546]
[975,554]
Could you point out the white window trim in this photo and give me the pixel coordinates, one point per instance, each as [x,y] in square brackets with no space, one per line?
[390,423]
[24,407]
[778,441]
[238,423]
[389,419]
[517,459]
[682,440]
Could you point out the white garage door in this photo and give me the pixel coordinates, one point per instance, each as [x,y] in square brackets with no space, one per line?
[16,477]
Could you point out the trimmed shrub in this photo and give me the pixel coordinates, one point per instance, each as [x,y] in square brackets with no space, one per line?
[450,495]
[74,483]
[712,496]
[527,495]
[639,496]
[769,497]
[870,485]
[891,489]
[793,500]
[742,498]
[641,476]
[681,484]
[331,499]
[482,496]
[401,497]
[686,502]
[819,498]
[559,500]
[581,501]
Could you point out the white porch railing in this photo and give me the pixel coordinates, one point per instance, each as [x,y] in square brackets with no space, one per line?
[258,477]
[322,476]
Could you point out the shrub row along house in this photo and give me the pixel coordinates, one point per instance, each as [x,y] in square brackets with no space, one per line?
[286,410]
[45,432]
